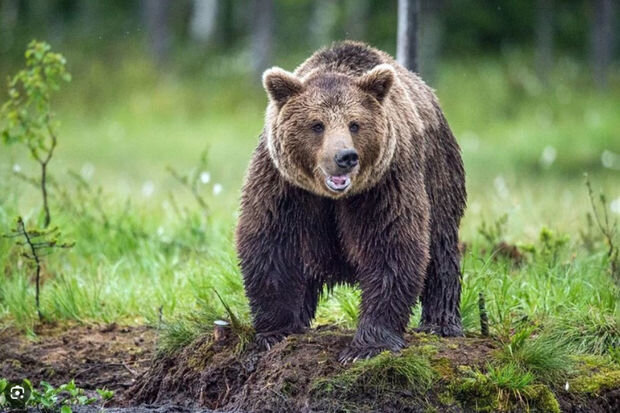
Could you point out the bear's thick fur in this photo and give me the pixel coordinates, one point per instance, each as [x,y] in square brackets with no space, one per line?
[356,179]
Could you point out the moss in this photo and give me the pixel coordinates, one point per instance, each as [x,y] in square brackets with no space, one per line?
[464,369]
[446,398]
[478,392]
[426,338]
[596,384]
[443,367]
[590,362]
[540,398]
[475,391]
[595,375]
[408,371]
[426,349]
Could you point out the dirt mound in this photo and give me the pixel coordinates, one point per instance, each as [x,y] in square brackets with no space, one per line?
[302,374]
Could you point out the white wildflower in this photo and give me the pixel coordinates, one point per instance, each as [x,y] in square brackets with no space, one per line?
[205,177]
[217,189]
[17,168]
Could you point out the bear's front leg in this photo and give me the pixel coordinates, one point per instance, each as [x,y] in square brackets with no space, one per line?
[389,290]
[280,296]
[391,253]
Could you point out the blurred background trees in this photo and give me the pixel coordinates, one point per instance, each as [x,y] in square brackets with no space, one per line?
[187,34]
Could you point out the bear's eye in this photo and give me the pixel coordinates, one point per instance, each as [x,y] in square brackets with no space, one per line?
[354,127]
[318,127]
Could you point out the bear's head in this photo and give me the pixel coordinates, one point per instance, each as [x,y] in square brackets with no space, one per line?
[328,133]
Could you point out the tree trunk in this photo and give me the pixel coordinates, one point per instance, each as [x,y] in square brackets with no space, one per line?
[156,14]
[602,39]
[262,35]
[202,24]
[407,48]
[544,39]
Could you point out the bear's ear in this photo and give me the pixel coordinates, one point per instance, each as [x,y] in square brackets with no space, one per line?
[281,85]
[378,81]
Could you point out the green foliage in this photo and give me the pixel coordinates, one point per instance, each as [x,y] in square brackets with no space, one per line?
[3,383]
[544,356]
[586,331]
[218,297]
[65,394]
[35,244]
[551,245]
[105,394]
[494,232]
[594,375]
[27,117]
[410,371]
[503,388]
[339,305]
[50,398]
[510,377]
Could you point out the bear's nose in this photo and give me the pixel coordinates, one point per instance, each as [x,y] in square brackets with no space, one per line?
[346,158]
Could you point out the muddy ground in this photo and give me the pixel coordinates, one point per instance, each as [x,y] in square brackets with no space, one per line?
[96,357]
[300,374]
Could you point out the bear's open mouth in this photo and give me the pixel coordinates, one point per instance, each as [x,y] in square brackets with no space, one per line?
[338,183]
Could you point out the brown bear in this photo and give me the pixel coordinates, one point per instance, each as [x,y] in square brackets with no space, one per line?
[356,179]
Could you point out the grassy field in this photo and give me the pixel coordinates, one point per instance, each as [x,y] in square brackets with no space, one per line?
[147,252]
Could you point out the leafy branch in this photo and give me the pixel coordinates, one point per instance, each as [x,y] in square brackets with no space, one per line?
[27,117]
[36,245]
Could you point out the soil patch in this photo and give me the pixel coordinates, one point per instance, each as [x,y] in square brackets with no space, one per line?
[108,356]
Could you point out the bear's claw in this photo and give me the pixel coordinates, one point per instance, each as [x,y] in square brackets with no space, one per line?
[352,354]
[264,341]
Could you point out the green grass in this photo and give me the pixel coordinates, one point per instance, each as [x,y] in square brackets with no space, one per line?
[410,371]
[540,355]
[503,388]
[146,252]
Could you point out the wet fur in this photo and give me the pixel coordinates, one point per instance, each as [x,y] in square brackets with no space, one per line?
[396,237]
